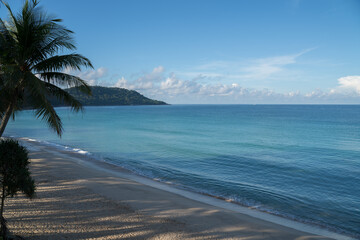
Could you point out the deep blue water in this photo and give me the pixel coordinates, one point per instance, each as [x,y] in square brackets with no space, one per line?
[298,161]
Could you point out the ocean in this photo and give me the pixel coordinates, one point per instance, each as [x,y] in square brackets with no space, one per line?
[301,162]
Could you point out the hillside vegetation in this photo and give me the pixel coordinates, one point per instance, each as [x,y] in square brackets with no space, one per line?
[109,96]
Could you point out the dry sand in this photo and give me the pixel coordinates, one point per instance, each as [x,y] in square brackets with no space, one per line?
[76,200]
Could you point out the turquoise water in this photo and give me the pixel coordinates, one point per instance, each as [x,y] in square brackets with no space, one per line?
[298,161]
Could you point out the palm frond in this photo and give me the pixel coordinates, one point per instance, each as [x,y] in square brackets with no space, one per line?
[7,44]
[9,73]
[12,16]
[38,35]
[55,44]
[50,38]
[59,63]
[67,80]
[64,97]
[38,97]
[46,112]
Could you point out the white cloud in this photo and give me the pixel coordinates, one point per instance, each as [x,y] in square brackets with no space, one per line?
[145,81]
[267,67]
[255,69]
[221,89]
[317,94]
[122,83]
[264,68]
[350,83]
[159,69]
[174,86]
[92,77]
[154,76]
[171,83]
[137,85]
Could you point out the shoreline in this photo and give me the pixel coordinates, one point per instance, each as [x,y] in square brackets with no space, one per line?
[211,201]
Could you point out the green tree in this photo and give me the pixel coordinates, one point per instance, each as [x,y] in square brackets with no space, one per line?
[14,175]
[31,71]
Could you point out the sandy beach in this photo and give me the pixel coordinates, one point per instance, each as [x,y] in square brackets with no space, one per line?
[80,199]
[179,120]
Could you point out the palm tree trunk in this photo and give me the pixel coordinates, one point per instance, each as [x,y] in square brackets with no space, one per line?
[2,201]
[6,118]
[3,227]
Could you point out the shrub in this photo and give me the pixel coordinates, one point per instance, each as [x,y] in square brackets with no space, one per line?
[14,175]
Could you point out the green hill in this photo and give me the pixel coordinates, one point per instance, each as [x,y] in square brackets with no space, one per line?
[110,96]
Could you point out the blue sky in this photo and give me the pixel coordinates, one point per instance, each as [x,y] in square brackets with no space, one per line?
[202,51]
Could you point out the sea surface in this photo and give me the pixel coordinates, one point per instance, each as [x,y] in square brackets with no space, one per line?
[301,162]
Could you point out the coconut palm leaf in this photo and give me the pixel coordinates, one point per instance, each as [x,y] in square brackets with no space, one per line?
[58,63]
[64,96]
[37,93]
[66,80]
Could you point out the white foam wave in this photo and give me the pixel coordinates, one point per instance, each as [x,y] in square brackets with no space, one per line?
[58,146]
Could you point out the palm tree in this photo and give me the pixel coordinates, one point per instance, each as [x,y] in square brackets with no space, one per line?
[31,71]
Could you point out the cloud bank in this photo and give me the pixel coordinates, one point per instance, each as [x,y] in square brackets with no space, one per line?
[169,87]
